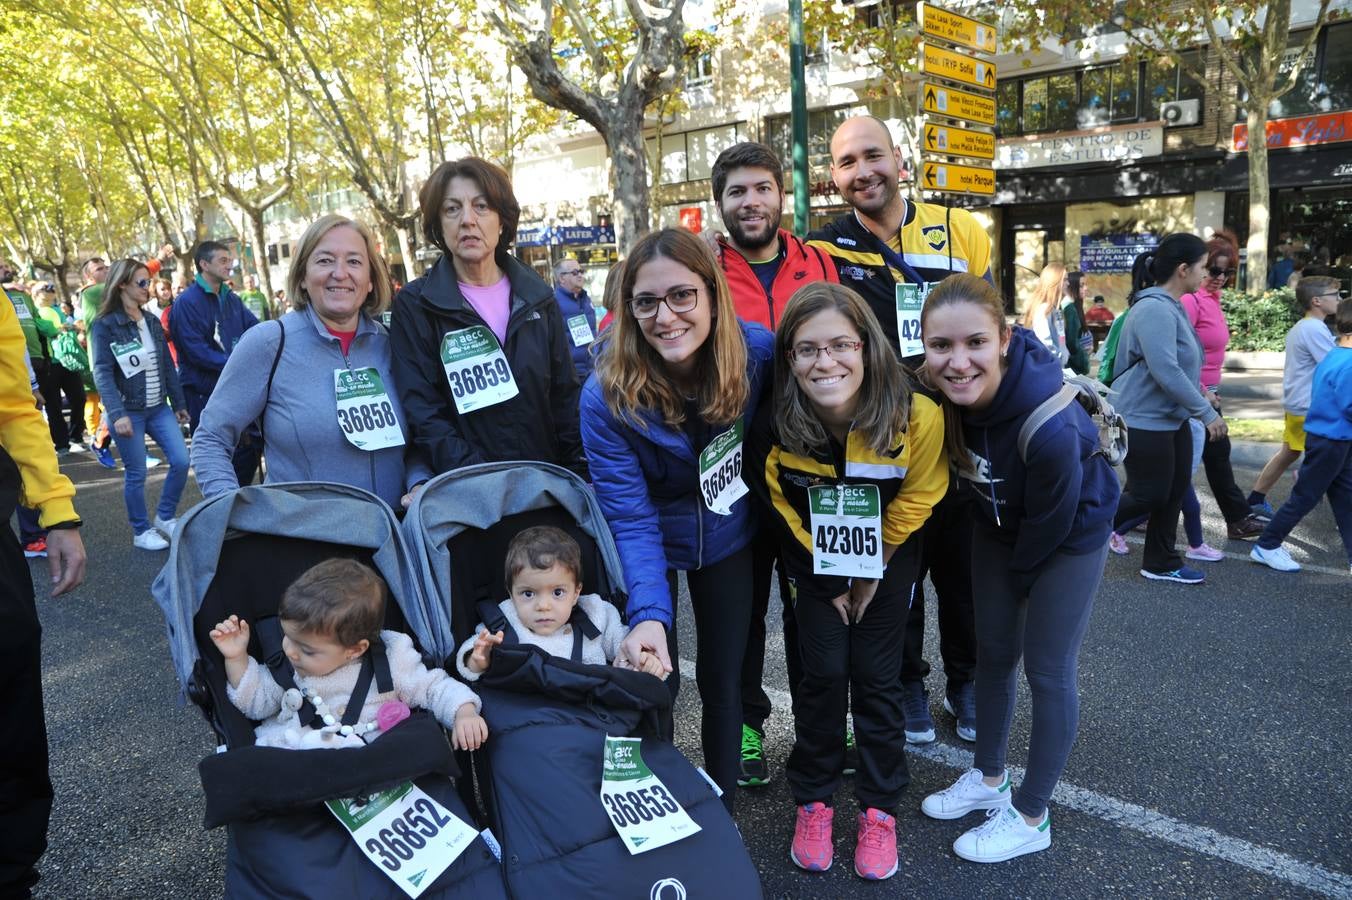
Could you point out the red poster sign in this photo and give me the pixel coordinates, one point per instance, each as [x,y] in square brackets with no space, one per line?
[692,217]
[1301,131]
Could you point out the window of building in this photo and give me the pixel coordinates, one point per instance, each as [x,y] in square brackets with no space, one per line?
[821,124]
[1087,98]
[700,71]
[1323,85]
[690,155]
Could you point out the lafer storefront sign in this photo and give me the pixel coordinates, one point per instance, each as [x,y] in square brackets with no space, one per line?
[1300,131]
[1098,145]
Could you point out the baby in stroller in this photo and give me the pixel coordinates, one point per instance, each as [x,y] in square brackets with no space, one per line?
[548,609]
[330,618]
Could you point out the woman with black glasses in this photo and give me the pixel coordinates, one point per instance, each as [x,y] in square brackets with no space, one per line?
[677,382]
[1203,307]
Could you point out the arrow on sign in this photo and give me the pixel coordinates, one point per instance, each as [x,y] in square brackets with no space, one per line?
[929,97]
[929,137]
[990,76]
[929,173]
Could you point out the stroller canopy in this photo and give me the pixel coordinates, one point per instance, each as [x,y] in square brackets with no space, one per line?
[480,496]
[317,511]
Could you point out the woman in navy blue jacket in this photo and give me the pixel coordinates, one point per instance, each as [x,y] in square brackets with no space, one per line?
[135,376]
[677,382]
[1042,519]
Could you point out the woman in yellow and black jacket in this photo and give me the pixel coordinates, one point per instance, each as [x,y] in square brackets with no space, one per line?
[848,464]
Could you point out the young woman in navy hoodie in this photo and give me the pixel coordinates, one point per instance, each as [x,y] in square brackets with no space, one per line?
[1040,540]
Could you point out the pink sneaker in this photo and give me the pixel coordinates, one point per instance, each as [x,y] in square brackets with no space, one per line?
[1205,552]
[1118,544]
[811,849]
[875,854]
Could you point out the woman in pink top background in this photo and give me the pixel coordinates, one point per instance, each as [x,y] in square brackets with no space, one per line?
[1208,319]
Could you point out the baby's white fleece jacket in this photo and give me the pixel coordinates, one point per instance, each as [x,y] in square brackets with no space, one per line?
[260,697]
[598,651]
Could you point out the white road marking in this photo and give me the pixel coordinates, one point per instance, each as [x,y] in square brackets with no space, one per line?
[1244,557]
[1194,838]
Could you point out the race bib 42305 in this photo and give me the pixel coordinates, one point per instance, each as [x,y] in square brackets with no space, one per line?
[910,302]
[847,530]
[476,369]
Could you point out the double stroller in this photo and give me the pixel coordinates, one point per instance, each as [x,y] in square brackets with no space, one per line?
[538,779]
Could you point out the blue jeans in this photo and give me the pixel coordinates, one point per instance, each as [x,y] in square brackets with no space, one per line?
[161,425]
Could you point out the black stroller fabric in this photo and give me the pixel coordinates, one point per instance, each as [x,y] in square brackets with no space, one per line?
[548,719]
[283,841]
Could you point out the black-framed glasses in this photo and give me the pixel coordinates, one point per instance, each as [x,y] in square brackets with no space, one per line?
[803,354]
[571,272]
[1218,272]
[678,300]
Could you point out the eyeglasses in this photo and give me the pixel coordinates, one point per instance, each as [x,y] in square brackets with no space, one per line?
[142,282]
[1218,272]
[803,354]
[678,300]
[571,272]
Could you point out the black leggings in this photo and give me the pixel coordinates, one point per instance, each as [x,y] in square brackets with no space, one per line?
[764,560]
[1158,475]
[1220,475]
[720,595]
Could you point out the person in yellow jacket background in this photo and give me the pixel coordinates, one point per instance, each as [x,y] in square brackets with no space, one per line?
[29,475]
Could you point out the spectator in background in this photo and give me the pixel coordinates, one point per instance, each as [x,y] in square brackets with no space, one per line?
[1300,263]
[67,364]
[570,292]
[1099,313]
[1043,314]
[1078,339]
[1281,270]
[164,296]
[255,301]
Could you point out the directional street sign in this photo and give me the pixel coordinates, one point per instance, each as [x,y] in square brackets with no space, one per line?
[958,141]
[956,29]
[945,101]
[956,179]
[937,61]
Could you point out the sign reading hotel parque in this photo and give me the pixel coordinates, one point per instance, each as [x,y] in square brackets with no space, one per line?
[1099,145]
[1113,254]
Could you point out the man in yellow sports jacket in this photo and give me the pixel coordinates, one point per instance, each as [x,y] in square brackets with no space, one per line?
[28,475]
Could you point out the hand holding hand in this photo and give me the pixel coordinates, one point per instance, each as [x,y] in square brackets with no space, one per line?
[470,729]
[484,642]
[231,637]
[648,662]
[648,636]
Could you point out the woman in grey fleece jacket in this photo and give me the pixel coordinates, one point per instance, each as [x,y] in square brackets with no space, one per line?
[1158,366]
[339,283]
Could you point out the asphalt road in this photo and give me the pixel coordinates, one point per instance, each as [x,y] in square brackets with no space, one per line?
[1211,759]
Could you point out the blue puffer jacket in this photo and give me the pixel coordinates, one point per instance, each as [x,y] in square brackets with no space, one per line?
[647,482]
[571,307]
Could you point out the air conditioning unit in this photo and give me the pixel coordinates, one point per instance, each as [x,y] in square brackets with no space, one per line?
[1178,113]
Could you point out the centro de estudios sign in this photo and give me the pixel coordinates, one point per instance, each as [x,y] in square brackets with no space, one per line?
[1097,145]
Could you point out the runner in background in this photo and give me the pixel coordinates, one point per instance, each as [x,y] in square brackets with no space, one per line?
[883,243]
[764,265]
[480,352]
[677,381]
[847,464]
[254,300]
[575,305]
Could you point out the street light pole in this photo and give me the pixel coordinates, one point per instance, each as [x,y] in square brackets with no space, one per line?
[798,115]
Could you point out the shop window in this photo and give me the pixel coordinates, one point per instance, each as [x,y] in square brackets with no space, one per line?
[1324,84]
[1126,85]
[690,155]
[1096,97]
[821,124]
[1035,105]
[700,71]
[1338,68]
[1007,108]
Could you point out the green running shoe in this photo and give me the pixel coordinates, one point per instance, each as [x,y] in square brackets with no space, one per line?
[754,772]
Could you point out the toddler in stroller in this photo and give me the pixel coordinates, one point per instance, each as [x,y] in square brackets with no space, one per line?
[330,619]
[582,782]
[547,609]
[235,554]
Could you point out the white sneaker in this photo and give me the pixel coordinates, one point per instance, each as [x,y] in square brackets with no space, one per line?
[1277,559]
[78,448]
[153,461]
[150,540]
[166,526]
[1004,835]
[967,794]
